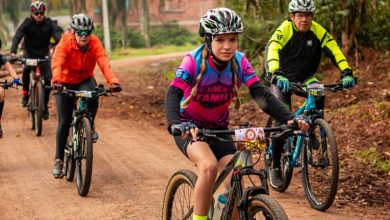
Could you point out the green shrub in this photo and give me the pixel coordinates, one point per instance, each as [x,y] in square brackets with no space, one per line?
[134,38]
[171,33]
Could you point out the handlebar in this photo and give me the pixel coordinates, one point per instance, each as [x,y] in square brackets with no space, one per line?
[253,133]
[299,87]
[98,91]
[29,61]
[7,85]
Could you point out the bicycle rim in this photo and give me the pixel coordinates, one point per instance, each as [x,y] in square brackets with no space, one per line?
[84,157]
[321,167]
[38,107]
[265,207]
[178,199]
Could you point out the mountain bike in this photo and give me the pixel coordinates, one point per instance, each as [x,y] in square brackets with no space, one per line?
[253,202]
[36,102]
[79,148]
[319,159]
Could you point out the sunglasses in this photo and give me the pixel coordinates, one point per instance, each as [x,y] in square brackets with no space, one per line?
[39,13]
[83,33]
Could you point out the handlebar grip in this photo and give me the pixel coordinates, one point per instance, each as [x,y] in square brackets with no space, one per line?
[175,132]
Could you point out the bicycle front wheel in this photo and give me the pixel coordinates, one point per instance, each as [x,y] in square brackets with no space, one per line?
[265,207]
[39,99]
[178,201]
[320,166]
[84,156]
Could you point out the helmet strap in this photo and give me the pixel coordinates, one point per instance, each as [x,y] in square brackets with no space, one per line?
[208,39]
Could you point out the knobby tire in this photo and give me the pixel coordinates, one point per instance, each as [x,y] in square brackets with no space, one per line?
[84,156]
[323,199]
[180,186]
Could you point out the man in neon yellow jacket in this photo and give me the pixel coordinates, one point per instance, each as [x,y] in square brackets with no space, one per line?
[293,54]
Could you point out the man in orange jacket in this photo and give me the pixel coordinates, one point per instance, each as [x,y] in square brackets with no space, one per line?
[72,64]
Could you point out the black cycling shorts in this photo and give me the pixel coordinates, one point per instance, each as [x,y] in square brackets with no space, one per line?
[220,149]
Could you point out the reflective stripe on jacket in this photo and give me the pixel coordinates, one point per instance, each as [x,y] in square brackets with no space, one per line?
[71,65]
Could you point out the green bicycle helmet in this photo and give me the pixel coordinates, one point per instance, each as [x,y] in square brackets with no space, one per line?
[220,21]
[301,6]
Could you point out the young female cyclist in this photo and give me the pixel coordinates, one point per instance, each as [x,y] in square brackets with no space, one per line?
[15,81]
[200,94]
[73,63]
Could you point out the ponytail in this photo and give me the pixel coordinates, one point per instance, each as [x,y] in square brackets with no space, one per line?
[194,90]
[234,82]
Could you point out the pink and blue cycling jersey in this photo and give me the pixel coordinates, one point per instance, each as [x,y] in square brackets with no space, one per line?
[210,107]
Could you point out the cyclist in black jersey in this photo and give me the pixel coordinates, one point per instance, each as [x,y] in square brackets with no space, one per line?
[36,31]
[293,54]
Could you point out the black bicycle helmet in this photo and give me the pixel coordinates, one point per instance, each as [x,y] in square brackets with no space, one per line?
[81,22]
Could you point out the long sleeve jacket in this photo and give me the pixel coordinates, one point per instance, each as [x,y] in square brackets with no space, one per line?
[36,37]
[72,65]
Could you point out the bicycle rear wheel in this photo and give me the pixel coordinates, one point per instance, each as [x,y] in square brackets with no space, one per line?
[320,166]
[84,156]
[265,207]
[178,202]
[69,162]
[285,161]
[38,100]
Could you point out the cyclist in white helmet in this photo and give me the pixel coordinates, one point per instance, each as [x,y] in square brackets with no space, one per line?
[201,92]
[293,54]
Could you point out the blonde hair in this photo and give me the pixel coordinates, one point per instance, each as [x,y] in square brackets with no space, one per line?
[203,67]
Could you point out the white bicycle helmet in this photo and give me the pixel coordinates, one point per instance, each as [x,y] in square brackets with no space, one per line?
[301,6]
[81,22]
[220,21]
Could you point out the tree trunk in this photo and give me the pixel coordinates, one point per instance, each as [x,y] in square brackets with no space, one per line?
[353,22]
[77,6]
[144,22]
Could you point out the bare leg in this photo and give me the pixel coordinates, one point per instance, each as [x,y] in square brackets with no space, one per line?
[201,154]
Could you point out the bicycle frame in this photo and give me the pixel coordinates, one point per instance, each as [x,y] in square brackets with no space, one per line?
[80,109]
[241,165]
[236,188]
[309,109]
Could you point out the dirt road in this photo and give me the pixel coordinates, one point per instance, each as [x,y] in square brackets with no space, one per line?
[132,164]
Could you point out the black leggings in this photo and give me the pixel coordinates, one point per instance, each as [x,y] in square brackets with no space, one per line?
[46,74]
[65,113]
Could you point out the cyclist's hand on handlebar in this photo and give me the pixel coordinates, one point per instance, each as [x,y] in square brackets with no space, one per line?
[115,87]
[301,121]
[58,86]
[281,81]
[347,79]
[16,81]
[13,58]
[185,128]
